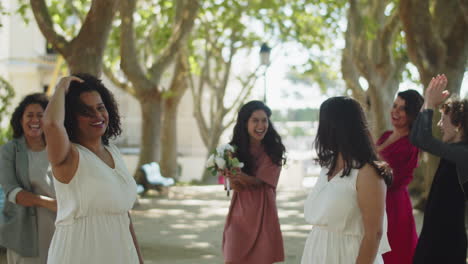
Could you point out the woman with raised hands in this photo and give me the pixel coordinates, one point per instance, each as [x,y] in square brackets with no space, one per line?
[443,236]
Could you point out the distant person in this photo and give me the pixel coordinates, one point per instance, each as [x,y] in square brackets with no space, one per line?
[395,148]
[252,233]
[95,191]
[346,207]
[443,236]
[27,220]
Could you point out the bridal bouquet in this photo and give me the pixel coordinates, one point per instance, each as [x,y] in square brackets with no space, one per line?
[223,158]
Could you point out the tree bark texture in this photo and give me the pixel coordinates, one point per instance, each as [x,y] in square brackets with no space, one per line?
[369,54]
[84,53]
[179,86]
[146,81]
[436,34]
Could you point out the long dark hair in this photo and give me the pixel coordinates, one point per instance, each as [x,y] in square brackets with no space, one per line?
[272,143]
[74,106]
[343,130]
[15,121]
[413,103]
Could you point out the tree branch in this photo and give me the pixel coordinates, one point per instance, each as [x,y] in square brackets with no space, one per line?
[425,49]
[464,9]
[122,85]
[445,17]
[387,36]
[182,30]
[44,21]
[357,40]
[129,58]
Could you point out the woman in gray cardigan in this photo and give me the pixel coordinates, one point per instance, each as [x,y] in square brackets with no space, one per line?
[27,221]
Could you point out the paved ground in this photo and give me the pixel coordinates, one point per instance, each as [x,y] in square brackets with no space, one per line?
[185,226]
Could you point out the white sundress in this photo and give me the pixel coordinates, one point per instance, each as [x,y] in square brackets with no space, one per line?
[337,231]
[92,223]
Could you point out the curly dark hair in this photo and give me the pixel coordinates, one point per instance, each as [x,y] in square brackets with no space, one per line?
[457,109]
[343,130]
[413,103]
[74,106]
[15,122]
[271,142]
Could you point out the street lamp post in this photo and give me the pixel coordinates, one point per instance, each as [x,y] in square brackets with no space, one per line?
[265,60]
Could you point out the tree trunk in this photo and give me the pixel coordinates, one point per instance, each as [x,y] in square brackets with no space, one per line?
[150,134]
[179,86]
[169,167]
[373,59]
[382,93]
[85,60]
[85,51]
[213,143]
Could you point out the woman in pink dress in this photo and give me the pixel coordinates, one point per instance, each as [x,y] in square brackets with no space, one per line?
[395,148]
[252,233]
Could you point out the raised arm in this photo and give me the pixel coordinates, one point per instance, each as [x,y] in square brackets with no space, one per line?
[62,156]
[371,192]
[421,137]
[421,133]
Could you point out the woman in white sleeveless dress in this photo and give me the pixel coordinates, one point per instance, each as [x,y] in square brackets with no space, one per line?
[94,189]
[347,206]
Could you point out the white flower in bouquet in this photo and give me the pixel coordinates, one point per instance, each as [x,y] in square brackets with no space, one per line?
[220,163]
[221,150]
[223,158]
[210,162]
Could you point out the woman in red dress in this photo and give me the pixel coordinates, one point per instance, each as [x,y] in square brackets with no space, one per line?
[395,148]
[252,233]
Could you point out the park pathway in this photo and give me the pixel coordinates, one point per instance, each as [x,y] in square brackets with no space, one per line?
[186,226]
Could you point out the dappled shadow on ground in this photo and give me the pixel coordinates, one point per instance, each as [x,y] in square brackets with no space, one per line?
[187,226]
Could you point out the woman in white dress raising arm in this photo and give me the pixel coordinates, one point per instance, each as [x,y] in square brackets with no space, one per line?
[94,189]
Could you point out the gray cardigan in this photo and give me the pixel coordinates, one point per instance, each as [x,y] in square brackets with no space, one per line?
[421,137]
[18,224]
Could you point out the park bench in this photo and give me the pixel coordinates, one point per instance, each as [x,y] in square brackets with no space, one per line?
[153,178]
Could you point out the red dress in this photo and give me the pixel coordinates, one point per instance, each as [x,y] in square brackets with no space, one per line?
[252,233]
[403,159]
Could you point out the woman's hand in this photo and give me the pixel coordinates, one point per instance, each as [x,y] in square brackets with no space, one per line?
[234,180]
[242,181]
[49,203]
[27,199]
[64,82]
[435,92]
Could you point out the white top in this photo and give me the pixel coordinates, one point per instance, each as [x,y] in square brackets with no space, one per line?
[92,221]
[332,208]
